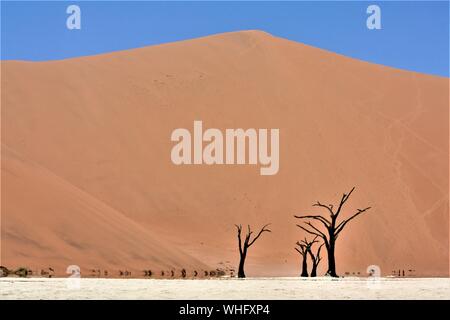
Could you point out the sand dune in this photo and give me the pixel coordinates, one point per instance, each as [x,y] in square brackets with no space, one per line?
[109,194]
[57,225]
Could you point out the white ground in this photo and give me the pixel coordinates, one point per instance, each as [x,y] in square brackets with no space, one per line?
[258,288]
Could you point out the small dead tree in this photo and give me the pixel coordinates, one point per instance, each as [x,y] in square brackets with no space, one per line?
[316,258]
[243,247]
[332,226]
[303,248]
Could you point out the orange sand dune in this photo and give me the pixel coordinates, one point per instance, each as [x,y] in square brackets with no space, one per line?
[101,126]
[56,225]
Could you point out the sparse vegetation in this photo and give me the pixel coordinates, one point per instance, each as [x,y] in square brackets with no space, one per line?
[333,228]
[243,246]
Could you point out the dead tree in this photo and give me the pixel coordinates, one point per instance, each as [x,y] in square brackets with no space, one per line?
[332,228]
[243,247]
[316,258]
[303,248]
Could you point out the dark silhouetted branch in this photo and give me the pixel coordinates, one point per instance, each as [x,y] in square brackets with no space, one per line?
[341,225]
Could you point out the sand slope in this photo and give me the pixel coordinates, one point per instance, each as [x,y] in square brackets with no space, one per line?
[102,124]
[56,225]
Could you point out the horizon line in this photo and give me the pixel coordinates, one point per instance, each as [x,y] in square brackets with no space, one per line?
[447,76]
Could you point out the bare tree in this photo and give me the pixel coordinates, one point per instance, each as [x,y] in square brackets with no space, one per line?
[304,247]
[316,258]
[332,226]
[243,247]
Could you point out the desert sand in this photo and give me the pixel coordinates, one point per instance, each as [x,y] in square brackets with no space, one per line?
[87,177]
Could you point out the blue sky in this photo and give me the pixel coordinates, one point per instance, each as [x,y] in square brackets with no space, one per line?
[414,35]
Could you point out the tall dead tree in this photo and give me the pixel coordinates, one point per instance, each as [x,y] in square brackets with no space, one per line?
[332,227]
[316,258]
[303,248]
[243,246]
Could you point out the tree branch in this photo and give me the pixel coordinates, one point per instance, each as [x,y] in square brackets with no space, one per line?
[259,234]
[308,244]
[318,257]
[329,207]
[302,247]
[309,231]
[324,221]
[322,235]
[343,200]
[341,225]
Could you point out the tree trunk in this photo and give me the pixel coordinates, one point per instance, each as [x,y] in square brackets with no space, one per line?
[314,270]
[315,263]
[241,273]
[304,266]
[331,261]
